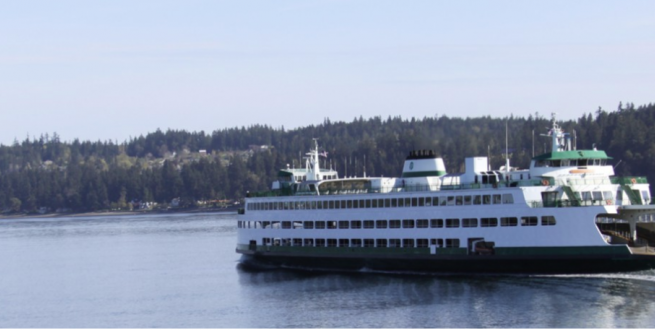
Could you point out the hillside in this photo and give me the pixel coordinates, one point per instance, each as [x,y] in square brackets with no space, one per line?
[50,174]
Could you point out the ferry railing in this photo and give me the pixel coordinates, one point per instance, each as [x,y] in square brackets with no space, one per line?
[570,203]
[400,188]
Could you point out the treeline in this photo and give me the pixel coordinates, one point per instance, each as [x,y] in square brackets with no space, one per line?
[45,172]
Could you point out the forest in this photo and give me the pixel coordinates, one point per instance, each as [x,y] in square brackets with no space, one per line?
[46,173]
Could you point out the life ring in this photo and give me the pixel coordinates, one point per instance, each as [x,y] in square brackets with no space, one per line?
[633,180]
[545,182]
[609,202]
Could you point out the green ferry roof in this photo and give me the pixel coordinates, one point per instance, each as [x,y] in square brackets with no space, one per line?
[573,154]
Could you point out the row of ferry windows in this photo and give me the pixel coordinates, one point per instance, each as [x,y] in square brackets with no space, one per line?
[366,242]
[384,202]
[406,223]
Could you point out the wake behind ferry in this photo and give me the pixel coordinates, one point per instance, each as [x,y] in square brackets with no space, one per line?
[568,213]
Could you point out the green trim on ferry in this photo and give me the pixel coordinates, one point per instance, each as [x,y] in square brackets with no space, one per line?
[422,174]
[564,251]
[499,251]
[573,154]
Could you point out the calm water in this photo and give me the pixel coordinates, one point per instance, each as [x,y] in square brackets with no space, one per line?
[181,271]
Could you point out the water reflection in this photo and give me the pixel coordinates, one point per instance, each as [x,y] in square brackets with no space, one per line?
[384,300]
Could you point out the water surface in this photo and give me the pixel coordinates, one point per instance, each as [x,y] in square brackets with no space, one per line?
[181,271]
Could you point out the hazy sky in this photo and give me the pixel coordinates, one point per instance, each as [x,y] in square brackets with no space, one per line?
[108,70]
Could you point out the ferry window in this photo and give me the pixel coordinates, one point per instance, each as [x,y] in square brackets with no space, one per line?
[350,204]
[320,224]
[573,162]
[381,224]
[458,200]
[477,200]
[369,242]
[368,224]
[375,203]
[467,200]
[408,223]
[529,221]
[408,242]
[356,242]
[356,224]
[469,222]
[436,223]
[607,195]
[452,242]
[421,201]
[362,203]
[422,242]
[414,201]
[343,224]
[343,204]
[401,202]
[355,204]
[394,223]
[309,242]
[435,201]
[314,205]
[394,202]
[331,242]
[380,202]
[319,205]
[297,242]
[443,201]
[598,196]
[451,200]
[331,204]
[407,202]
[422,223]
[488,222]
[368,203]
[308,205]
[645,196]
[325,205]
[394,242]
[381,242]
[266,224]
[308,225]
[387,202]
[332,225]
[586,196]
[428,201]
[508,199]
[452,223]
[267,241]
[548,220]
[344,242]
[286,242]
[239,224]
[497,199]
[437,241]
[286,224]
[508,221]
[486,199]
[320,242]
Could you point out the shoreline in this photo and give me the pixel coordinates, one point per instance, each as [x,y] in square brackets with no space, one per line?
[116,213]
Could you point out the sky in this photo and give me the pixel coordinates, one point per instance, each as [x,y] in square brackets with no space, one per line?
[114,70]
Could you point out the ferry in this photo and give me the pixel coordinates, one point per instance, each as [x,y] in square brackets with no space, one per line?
[567,214]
